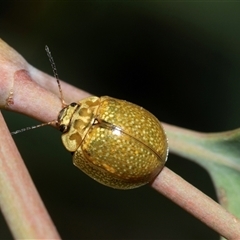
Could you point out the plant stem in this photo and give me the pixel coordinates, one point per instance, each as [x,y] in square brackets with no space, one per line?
[197,203]
[19,200]
[29,91]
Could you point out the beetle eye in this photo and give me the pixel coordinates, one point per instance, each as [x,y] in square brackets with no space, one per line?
[73,104]
[63,128]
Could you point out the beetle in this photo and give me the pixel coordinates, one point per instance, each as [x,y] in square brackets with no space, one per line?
[117,143]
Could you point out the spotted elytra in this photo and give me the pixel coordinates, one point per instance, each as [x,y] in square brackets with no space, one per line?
[115,142]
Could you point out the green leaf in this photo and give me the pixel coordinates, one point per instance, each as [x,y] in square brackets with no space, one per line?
[218,153]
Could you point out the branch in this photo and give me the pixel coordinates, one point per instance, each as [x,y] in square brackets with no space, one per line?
[28,82]
[197,203]
[19,200]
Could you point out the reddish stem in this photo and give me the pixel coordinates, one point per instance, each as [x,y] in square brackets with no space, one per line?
[197,203]
[25,89]
[19,200]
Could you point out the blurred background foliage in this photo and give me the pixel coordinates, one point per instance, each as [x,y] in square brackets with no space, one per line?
[180,60]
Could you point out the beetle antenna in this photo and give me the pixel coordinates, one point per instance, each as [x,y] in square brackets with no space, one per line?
[33,127]
[54,68]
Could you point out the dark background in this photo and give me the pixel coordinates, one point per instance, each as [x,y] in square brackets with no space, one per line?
[180,60]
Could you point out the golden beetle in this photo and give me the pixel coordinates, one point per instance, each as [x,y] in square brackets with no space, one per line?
[117,143]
